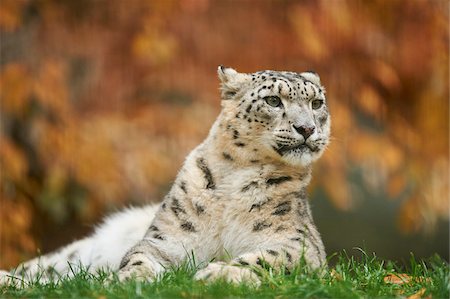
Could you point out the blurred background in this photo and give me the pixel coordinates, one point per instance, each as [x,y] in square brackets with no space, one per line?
[101,100]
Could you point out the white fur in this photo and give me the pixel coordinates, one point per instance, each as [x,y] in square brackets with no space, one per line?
[102,250]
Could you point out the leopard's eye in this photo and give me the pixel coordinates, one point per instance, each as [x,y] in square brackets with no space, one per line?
[316,104]
[273,101]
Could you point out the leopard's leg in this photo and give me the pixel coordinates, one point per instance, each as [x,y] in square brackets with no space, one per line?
[144,261]
[244,268]
[283,254]
[164,245]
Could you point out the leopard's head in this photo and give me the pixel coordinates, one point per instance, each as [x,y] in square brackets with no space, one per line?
[276,115]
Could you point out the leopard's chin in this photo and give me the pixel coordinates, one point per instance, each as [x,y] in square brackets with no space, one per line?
[302,155]
[301,160]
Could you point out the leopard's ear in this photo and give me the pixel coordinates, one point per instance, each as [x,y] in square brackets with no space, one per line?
[231,81]
[311,76]
[226,74]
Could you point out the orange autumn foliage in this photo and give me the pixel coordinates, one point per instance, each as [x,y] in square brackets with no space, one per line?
[101,102]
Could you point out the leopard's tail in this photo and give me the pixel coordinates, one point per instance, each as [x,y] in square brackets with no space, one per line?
[102,250]
[65,261]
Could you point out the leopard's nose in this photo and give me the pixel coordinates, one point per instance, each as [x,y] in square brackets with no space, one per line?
[305,131]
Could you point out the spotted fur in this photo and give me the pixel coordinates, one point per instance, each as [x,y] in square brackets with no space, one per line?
[241,193]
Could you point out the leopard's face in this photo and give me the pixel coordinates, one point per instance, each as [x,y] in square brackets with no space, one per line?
[283,115]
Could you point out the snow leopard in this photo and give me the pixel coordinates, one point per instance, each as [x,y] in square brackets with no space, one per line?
[239,203]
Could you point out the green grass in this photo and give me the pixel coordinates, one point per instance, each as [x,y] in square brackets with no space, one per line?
[349,278]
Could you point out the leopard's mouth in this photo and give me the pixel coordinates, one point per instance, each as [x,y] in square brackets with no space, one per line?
[298,148]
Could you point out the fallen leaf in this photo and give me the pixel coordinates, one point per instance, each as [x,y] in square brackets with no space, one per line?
[336,275]
[419,294]
[397,278]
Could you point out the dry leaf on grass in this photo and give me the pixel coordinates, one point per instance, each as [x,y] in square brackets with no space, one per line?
[335,275]
[419,294]
[397,278]
[400,279]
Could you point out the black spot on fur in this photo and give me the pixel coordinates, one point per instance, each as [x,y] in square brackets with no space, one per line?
[188,226]
[248,186]
[259,262]
[242,262]
[158,236]
[260,225]
[314,241]
[176,208]
[288,256]
[162,255]
[260,204]
[163,206]
[301,231]
[235,134]
[280,228]
[279,180]
[240,144]
[254,161]
[323,119]
[201,164]
[153,228]
[183,187]
[282,209]
[263,263]
[249,107]
[138,263]
[199,209]
[227,156]
[124,263]
[229,95]
[272,252]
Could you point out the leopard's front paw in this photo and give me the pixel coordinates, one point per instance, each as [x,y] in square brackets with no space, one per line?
[229,273]
[139,270]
